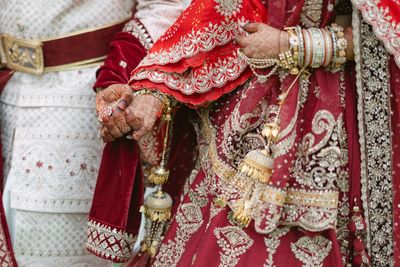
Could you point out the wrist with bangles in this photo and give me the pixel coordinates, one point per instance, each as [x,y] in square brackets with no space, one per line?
[308,48]
[166,101]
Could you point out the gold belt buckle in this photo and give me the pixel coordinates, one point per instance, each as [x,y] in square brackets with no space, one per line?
[23,55]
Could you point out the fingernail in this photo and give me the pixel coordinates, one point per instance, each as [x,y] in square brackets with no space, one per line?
[122,104]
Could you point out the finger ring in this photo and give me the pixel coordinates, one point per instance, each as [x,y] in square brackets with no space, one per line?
[106,112]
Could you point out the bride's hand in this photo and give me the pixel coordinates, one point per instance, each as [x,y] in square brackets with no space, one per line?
[110,104]
[142,114]
[263,41]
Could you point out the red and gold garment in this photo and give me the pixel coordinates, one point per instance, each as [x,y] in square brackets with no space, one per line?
[326,165]
[328,173]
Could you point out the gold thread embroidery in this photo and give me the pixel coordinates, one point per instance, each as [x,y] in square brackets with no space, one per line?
[311,251]
[272,242]
[233,242]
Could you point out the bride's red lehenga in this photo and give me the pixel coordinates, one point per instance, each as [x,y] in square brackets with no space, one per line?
[333,197]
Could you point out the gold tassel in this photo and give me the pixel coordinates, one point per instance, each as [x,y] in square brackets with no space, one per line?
[258,165]
[158,175]
[157,205]
[157,210]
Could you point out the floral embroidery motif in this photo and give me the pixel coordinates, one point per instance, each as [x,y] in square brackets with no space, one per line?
[202,40]
[311,251]
[272,243]
[200,80]
[233,242]
[375,142]
[385,28]
[109,243]
[228,8]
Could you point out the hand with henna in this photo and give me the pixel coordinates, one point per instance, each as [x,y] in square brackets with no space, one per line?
[142,114]
[263,41]
[110,105]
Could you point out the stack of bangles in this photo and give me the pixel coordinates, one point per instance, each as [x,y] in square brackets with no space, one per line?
[166,101]
[311,47]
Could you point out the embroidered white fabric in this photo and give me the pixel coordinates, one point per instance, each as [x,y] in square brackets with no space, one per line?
[50,137]
[158,15]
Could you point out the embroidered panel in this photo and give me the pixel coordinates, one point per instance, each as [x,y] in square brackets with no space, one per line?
[138,30]
[189,219]
[272,242]
[375,141]
[109,243]
[233,242]
[199,80]
[311,251]
[385,26]
[202,40]
[313,210]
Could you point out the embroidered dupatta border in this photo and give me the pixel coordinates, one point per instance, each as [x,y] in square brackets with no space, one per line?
[385,27]
[373,92]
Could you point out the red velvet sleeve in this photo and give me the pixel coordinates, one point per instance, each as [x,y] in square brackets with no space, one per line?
[126,52]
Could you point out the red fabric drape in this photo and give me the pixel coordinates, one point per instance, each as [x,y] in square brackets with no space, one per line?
[7,258]
[119,189]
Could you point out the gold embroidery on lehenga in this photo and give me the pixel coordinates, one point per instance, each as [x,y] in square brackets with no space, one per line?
[272,242]
[343,186]
[233,242]
[318,164]
[189,219]
[311,251]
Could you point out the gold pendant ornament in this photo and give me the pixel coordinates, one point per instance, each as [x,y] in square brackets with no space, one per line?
[157,210]
[257,166]
[157,205]
[158,175]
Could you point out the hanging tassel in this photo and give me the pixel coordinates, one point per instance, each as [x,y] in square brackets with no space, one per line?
[157,206]
[258,165]
[158,175]
[157,210]
[357,227]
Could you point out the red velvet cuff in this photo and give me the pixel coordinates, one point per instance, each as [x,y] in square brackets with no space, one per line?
[126,52]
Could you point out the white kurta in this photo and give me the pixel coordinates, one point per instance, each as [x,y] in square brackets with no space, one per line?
[50,137]
[49,130]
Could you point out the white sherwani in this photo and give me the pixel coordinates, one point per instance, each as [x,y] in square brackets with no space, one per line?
[50,131]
